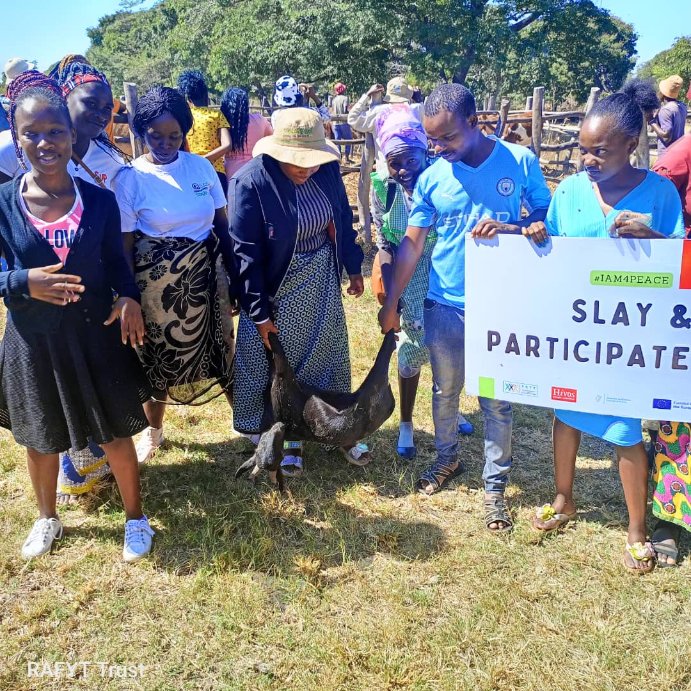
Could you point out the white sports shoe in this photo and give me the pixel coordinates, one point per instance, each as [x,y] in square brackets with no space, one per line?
[138,538]
[148,444]
[41,537]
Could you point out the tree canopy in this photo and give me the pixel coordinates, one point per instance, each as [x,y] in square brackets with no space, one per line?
[501,47]
[676,60]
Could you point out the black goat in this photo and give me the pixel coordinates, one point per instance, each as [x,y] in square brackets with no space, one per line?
[328,417]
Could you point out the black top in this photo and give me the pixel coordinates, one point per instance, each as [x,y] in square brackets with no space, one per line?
[263,221]
[97,255]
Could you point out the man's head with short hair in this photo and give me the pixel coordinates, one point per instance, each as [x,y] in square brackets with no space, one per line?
[450,121]
[453,98]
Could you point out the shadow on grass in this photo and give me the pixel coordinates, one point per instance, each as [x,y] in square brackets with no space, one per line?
[208,521]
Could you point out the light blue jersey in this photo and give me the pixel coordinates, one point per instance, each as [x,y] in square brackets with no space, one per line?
[453,197]
[575,210]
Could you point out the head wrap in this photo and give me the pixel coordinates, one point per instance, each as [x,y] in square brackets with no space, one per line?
[78,73]
[32,79]
[287,92]
[399,128]
[339,88]
[59,67]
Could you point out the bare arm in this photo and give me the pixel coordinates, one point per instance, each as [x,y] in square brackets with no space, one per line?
[407,257]
[224,138]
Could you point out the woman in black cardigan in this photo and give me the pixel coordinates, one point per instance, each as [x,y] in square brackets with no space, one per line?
[293,236]
[67,375]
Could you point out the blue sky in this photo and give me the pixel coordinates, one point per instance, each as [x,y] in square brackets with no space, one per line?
[63,23]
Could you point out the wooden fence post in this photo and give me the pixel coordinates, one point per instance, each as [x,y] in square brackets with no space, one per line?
[538,104]
[529,103]
[643,150]
[491,102]
[592,100]
[503,117]
[131,101]
[363,187]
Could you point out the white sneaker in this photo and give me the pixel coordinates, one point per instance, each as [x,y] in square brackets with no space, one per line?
[41,537]
[148,444]
[138,538]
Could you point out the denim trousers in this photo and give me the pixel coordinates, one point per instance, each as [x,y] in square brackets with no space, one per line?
[342,130]
[445,339]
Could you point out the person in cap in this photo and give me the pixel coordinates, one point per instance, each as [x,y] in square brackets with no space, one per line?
[340,104]
[292,228]
[363,117]
[404,144]
[14,67]
[289,94]
[365,112]
[670,120]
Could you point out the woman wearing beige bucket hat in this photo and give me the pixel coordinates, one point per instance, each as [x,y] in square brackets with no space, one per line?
[670,120]
[292,227]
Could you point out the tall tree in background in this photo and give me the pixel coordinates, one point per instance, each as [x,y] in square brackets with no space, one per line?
[496,46]
[676,60]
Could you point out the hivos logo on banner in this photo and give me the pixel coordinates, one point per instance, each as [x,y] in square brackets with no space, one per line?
[559,393]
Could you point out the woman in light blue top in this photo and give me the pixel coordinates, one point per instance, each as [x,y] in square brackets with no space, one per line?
[610,199]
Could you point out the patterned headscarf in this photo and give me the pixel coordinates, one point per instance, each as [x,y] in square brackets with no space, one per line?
[399,128]
[25,81]
[287,92]
[339,88]
[78,73]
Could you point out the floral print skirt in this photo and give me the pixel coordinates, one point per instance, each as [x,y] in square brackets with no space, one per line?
[189,334]
[672,474]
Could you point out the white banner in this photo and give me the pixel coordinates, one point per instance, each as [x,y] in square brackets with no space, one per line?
[596,325]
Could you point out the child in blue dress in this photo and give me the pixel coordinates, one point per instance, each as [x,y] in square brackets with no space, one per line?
[610,198]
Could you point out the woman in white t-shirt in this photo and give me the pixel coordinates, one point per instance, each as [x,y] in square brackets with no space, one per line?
[175,224]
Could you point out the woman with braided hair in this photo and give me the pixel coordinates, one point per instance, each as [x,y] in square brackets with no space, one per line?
[209,135]
[246,129]
[174,223]
[67,375]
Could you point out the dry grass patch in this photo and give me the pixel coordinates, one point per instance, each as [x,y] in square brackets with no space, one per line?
[350,581]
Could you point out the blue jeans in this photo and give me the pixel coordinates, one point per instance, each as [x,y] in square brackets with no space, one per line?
[342,130]
[445,338]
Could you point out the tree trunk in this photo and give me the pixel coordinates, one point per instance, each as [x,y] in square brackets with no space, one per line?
[461,72]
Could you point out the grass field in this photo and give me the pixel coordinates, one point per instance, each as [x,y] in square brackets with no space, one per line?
[350,581]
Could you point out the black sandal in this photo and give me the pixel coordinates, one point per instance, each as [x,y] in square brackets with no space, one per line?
[437,476]
[496,511]
[673,532]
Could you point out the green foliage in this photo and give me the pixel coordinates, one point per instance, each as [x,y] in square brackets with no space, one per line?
[497,46]
[676,60]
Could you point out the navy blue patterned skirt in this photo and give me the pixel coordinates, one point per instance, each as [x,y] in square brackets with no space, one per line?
[312,328]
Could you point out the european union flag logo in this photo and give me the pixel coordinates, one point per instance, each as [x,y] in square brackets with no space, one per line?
[662,403]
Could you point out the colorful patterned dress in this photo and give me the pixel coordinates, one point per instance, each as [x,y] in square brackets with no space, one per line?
[672,475]
[413,353]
